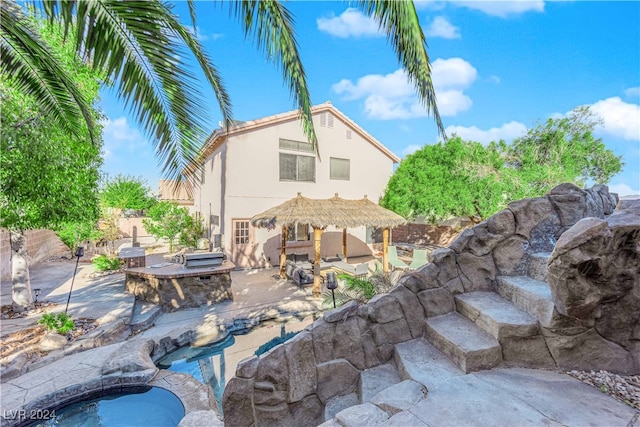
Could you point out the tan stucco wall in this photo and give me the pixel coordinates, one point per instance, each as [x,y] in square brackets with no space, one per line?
[41,245]
[245,175]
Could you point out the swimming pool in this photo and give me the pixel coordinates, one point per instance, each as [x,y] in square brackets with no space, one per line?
[215,364]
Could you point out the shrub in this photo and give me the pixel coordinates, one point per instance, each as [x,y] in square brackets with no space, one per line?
[61,322]
[105,262]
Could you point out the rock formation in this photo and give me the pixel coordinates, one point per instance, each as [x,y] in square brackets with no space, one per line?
[481,301]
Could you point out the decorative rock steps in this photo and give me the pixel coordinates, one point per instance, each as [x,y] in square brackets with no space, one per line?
[468,346]
[495,315]
[530,295]
[383,395]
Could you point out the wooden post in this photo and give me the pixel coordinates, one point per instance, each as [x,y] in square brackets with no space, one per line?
[344,244]
[385,249]
[283,253]
[317,236]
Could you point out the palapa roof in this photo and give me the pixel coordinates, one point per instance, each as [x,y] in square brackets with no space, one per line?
[321,213]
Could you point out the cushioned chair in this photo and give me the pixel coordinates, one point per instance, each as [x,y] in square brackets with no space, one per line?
[394,261]
[419,259]
[361,270]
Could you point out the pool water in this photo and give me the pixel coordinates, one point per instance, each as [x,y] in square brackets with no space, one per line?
[215,364]
[156,407]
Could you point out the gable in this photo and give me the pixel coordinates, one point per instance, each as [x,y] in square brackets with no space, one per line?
[326,115]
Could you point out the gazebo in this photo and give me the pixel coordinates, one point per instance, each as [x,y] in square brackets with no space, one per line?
[323,213]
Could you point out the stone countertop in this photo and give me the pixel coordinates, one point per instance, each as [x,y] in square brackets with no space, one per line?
[172,270]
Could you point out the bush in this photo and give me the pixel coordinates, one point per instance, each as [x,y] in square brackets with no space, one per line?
[73,234]
[105,262]
[61,322]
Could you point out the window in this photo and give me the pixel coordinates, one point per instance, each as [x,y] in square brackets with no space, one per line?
[289,144]
[297,168]
[241,232]
[298,233]
[339,169]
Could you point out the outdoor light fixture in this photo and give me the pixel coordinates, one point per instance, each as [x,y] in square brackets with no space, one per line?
[79,254]
[332,284]
[36,292]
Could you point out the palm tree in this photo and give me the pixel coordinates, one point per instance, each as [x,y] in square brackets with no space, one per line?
[139,47]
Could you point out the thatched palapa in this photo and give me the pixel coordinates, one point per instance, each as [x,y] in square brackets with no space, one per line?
[322,213]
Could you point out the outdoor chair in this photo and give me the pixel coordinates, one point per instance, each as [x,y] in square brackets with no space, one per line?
[419,259]
[394,261]
[361,271]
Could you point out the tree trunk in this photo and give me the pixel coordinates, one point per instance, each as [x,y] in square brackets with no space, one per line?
[20,283]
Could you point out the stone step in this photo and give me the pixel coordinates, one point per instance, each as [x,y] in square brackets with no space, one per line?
[468,346]
[537,266]
[530,295]
[144,315]
[374,380]
[420,361]
[495,315]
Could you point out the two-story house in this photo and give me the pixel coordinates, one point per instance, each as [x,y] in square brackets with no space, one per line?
[259,164]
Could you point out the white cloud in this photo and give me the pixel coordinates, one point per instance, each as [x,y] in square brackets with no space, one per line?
[623,189]
[632,92]
[503,9]
[391,96]
[440,27]
[203,37]
[452,73]
[120,137]
[507,131]
[350,23]
[621,119]
[410,149]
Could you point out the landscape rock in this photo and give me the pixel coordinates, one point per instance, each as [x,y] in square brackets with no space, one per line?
[483,241]
[412,310]
[460,243]
[301,365]
[426,278]
[445,259]
[478,272]
[341,313]
[436,301]
[53,341]
[593,274]
[570,203]
[237,402]
[133,356]
[384,308]
[347,342]
[336,378]
[509,256]
[322,333]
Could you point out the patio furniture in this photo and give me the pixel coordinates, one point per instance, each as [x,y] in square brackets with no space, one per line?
[419,259]
[394,261]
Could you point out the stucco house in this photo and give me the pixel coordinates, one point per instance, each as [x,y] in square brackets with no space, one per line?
[258,164]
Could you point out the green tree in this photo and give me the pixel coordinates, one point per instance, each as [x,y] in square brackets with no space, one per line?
[48,175]
[465,178]
[126,192]
[167,221]
[140,46]
[562,150]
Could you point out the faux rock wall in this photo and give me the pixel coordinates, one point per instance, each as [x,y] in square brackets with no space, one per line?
[291,384]
[594,275]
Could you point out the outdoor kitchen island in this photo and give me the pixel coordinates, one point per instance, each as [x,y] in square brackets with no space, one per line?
[188,284]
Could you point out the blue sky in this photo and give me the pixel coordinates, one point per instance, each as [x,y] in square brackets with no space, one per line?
[498,68]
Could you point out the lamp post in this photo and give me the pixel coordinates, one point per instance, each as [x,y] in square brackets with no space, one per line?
[79,254]
[332,284]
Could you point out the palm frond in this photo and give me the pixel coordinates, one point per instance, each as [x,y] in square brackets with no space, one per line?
[143,48]
[400,22]
[271,25]
[37,72]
